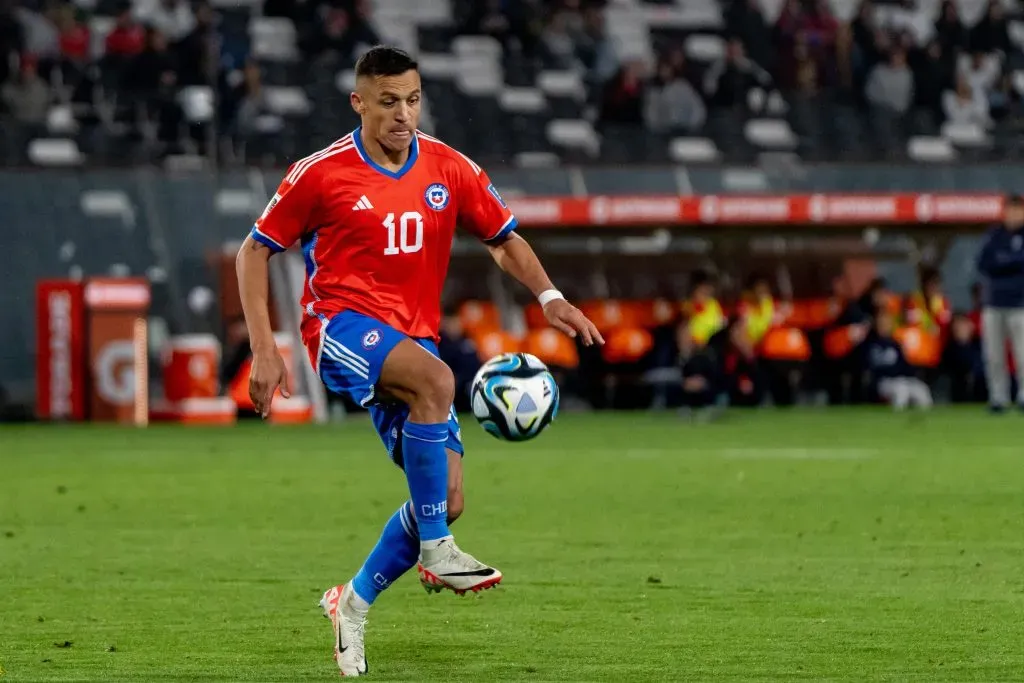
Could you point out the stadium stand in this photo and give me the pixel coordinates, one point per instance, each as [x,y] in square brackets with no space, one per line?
[248,82]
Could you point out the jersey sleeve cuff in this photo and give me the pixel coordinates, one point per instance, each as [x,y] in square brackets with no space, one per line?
[266,241]
[510,225]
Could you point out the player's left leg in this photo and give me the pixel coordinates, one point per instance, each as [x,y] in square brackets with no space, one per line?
[395,554]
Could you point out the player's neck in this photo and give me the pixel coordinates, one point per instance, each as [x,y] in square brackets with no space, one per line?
[381,155]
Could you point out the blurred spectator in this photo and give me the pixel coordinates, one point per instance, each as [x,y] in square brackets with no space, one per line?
[672,105]
[152,70]
[890,86]
[700,370]
[339,31]
[27,97]
[991,33]
[1001,262]
[172,18]
[981,71]
[595,49]
[12,37]
[728,80]
[933,75]
[963,363]
[41,38]
[892,378]
[245,103]
[488,19]
[928,308]
[558,42]
[740,365]
[460,354]
[150,81]
[73,36]
[757,308]
[965,105]
[745,21]
[128,37]
[198,53]
[866,50]
[703,311]
[950,30]
[624,95]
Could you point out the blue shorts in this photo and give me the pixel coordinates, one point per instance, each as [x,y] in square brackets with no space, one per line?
[351,358]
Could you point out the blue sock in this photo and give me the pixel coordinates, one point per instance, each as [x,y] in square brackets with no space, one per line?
[395,554]
[426,468]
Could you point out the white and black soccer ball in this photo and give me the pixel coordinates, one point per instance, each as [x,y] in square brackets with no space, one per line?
[514,396]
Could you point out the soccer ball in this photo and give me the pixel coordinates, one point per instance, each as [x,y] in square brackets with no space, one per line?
[514,396]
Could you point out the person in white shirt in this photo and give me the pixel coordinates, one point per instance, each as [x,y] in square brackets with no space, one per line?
[965,105]
[981,70]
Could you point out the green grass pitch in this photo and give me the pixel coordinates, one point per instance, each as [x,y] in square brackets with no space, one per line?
[855,545]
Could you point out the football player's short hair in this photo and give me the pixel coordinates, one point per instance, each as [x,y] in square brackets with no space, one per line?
[384,60]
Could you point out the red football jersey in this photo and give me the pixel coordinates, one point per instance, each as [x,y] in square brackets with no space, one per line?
[376,241]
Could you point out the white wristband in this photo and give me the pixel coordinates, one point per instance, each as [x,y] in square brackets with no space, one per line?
[549,295]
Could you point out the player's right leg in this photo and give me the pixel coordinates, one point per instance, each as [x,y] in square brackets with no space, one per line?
[423,382]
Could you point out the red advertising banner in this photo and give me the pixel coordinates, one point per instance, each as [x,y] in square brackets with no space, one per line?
[61,376]
[809,210]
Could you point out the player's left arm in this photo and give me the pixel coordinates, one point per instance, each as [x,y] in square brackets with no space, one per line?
[485,214]
[515,256]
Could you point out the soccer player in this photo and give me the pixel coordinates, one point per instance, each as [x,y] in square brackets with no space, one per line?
[375,213]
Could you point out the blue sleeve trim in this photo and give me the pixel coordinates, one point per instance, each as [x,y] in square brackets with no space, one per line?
[266,241]
[509,226]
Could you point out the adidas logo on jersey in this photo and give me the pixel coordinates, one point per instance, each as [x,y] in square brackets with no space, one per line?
[362,204]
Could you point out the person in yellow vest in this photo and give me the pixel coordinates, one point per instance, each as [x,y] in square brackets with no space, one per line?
[757,309]
[928,308]
[702,311]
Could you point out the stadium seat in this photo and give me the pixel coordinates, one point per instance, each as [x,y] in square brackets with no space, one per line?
[812,314]
[693,150]
[785,344]
[609,314]
[965,134]
[522,100]
[922,349]
[574,134]
[536,160]
[702,47]
[552,347]
[839,342]
[478,317]
[770,134]
[627,345]
[54,152]
[534,314]
[273,39]
[496,342]
[928,149]
[286,101]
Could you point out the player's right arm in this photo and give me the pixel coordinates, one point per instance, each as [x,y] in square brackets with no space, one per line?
[286,219]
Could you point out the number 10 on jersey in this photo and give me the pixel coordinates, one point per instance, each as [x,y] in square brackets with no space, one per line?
[404,242]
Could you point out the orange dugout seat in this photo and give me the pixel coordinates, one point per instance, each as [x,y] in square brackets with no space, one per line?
[627,344]
[552,347]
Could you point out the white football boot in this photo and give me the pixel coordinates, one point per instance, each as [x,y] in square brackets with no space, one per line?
[445,566]
[349,651]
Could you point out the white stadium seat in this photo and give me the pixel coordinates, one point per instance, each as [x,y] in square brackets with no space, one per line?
[692,150]
[54,152]
[929,149]
[770,134]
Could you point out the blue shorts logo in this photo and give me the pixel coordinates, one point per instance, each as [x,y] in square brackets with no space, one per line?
[494,191]
[437,196]
[371,339]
